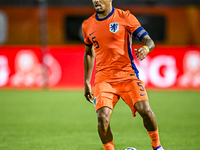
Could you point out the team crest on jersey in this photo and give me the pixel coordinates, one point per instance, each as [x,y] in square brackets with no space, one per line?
[114,27]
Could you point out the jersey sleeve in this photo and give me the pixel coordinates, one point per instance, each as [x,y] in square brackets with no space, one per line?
[131,22]
[134,27]
[86,38]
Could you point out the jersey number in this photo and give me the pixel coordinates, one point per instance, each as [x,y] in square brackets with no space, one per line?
[96,44]
[139,84]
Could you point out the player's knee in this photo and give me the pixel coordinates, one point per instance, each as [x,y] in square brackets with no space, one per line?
[146,113]
[103,123]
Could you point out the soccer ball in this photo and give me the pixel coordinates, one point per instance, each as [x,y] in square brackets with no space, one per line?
[131,148]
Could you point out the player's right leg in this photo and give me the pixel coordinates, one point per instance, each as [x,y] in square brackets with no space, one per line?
[104,101]
[104,130]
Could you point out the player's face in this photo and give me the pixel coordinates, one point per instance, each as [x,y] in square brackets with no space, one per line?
[101,6]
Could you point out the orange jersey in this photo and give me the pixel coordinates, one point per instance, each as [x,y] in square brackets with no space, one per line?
[111,39]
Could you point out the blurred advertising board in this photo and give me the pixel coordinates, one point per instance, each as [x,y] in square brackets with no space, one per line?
[167,67]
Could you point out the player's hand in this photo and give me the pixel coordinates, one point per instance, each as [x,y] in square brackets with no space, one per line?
[141,53]
[88,93]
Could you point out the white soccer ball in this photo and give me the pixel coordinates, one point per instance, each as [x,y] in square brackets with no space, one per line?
[131,148]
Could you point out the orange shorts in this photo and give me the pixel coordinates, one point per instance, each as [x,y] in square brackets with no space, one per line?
[108,93]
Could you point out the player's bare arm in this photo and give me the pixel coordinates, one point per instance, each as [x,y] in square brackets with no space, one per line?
[142,52]
[89,58]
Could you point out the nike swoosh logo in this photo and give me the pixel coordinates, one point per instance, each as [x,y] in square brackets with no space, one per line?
[91,33]
[142,94]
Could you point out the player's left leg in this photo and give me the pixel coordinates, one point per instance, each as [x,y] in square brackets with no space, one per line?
[150,123]
[149,118]
[135,96]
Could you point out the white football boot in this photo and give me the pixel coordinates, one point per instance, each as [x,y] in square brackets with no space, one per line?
[159,148]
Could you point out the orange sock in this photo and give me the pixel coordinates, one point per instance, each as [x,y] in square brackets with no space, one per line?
[109,146]
[155,140]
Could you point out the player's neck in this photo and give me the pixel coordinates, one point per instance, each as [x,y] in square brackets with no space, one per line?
[105,14]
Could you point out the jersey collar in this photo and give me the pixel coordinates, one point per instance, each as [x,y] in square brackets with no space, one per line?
[101,19]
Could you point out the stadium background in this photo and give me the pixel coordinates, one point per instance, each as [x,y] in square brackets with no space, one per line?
[41,42]
[42,106]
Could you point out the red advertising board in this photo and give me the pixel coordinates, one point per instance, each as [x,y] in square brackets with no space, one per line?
[62,67]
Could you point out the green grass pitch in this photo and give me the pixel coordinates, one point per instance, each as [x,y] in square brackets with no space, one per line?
[64,120]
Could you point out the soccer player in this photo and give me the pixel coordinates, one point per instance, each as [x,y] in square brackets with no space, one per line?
[107,36]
